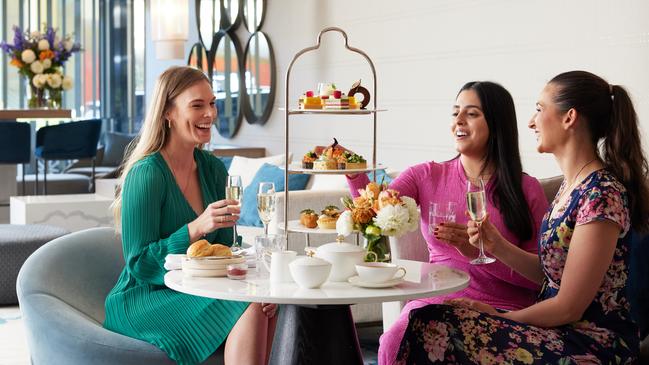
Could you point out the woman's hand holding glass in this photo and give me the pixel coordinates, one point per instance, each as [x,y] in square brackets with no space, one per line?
[234,192]
[476,204]
[486,232]
[441,224]
[220,214]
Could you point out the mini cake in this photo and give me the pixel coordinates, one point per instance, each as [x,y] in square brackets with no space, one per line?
[308,101]
[338,101]
[324,163]
[308,159]
[355,161]
[309,218]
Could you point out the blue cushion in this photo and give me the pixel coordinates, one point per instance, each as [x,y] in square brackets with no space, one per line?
[227,161]
[266,173]
[381,176]
[638,281]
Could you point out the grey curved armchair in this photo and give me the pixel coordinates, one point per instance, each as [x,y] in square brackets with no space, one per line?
[61,289]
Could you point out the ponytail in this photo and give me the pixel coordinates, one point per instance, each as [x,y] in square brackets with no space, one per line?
[613,125]
[623,155]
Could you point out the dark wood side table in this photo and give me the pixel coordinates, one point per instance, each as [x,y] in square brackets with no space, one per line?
[225,150]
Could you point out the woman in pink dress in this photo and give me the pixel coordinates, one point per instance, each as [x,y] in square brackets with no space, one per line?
[484,128]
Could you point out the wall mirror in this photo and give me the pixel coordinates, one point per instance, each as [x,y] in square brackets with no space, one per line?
[253,14]
[231,14]
[259,79]
[226,83]
[208,18]
[198,58]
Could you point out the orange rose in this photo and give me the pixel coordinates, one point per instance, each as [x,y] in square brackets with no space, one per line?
[46,54]
[16,62]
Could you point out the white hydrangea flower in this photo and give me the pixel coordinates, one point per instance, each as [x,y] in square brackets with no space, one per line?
[413,212]
[54,81]
[67,83]
[28,56]
[35,34]
[392,219]
[68,44]
[345,223]
[39,81]
[47,63]
[36,67]
[43,45]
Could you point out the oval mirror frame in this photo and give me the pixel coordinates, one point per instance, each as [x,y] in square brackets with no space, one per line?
[254,10]
[225,108]
[264,70]
[208,18]
[198,58]
[231,15]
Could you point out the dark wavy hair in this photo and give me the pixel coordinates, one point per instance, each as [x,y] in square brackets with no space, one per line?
[613,125]
[502,152]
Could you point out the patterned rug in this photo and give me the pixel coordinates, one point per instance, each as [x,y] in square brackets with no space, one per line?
[13,344]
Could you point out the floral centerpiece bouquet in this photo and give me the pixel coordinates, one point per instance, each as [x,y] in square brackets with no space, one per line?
[39,57]
[378,212]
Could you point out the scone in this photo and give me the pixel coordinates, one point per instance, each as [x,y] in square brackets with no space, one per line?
[329,217]
[309,218]
[327,222]
[199,248]
[221,250]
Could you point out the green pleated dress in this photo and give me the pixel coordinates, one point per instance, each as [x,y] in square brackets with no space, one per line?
[154,223]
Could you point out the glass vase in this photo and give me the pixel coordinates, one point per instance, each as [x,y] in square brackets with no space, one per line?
[380,246]
[54,99]
[37,98]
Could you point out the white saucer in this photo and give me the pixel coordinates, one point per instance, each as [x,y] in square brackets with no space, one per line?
[356,280]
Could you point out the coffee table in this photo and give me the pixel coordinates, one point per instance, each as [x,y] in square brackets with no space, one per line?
[315,326]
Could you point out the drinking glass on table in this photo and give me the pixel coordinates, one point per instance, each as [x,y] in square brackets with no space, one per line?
[266,244]
[266,203]
[476,203]
[234,191]
[440,213]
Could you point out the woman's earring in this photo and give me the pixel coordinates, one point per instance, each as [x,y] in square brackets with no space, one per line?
[168,123]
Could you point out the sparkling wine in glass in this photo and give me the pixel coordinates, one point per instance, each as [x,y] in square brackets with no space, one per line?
[476,203]
[266,203]
[234,191]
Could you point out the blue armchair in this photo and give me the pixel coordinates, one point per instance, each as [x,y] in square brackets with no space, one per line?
[15,144]
[62,288]
[68,141]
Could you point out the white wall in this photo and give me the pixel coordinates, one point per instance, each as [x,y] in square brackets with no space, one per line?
[425,50]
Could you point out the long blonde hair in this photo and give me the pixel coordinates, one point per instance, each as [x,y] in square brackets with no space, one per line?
[155,132]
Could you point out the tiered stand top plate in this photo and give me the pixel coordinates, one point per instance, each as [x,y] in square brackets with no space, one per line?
[333,111]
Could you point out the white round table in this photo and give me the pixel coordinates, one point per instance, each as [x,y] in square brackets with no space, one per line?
[315,325]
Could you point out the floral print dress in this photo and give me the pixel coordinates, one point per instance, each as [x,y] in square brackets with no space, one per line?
[604,335]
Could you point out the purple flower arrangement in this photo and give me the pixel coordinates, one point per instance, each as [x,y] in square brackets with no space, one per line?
[39,57]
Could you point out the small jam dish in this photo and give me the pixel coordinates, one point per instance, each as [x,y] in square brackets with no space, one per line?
[237,271]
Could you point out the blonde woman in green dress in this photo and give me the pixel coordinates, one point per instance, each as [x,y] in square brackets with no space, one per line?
[173,193]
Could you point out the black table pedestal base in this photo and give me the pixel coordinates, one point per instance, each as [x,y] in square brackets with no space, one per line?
[318,334]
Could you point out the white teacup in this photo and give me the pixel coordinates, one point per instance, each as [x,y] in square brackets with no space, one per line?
[379,272]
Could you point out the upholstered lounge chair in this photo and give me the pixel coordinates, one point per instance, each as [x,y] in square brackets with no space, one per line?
[61,289]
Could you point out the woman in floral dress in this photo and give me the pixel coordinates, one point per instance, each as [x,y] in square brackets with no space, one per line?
[582,314]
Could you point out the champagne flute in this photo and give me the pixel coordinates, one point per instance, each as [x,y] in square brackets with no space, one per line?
[234,191]
[266,203]
[476,203]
